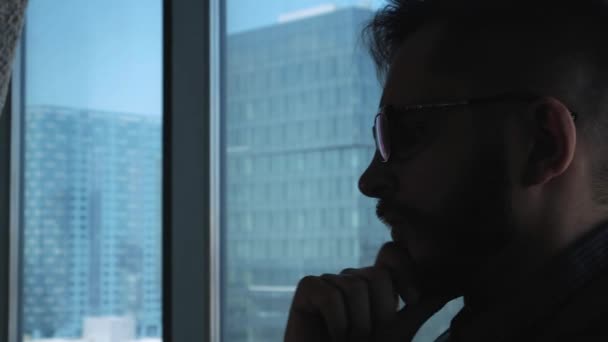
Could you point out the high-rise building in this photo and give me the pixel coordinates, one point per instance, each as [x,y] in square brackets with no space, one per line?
[300,99]
[92,220]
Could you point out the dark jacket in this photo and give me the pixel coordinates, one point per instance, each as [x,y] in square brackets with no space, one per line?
[567,300]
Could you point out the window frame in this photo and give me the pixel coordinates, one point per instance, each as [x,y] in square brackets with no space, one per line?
[191,291]
[190,219]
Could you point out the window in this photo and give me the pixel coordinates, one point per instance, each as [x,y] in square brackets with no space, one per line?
[316,151]
[91,266]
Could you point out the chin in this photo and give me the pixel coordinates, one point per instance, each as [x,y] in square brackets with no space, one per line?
[444,280]
[441,270]
[442,265]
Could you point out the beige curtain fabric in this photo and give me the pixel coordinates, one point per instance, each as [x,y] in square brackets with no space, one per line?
[11,23]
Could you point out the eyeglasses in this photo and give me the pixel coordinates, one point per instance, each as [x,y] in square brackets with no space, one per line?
[381,129]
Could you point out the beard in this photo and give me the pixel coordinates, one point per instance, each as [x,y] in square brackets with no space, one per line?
[448,246]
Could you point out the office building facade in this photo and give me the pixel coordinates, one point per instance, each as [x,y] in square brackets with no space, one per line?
[300,99]
[92,220]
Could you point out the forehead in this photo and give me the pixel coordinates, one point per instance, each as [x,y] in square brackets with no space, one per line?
[416,74]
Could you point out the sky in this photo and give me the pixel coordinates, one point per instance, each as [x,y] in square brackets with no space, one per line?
[107,54]
[101,54]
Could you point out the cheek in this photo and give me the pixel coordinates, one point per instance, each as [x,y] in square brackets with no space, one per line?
[429,179]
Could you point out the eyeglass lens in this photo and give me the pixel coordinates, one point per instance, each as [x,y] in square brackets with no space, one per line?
[381,135]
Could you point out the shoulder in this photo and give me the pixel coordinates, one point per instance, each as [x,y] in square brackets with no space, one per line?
[584,317]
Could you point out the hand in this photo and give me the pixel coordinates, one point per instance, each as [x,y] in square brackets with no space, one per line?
[361,305]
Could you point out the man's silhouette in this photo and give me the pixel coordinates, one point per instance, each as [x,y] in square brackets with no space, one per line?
[491,171]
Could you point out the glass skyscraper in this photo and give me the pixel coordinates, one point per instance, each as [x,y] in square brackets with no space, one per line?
[299,105]
[92,220]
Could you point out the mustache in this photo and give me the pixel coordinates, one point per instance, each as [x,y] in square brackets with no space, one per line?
[384,207]
[392,213]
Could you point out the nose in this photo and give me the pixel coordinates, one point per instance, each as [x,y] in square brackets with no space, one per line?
[377,181]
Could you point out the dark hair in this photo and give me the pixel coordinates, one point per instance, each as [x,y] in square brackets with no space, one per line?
[394,23]
[557,47]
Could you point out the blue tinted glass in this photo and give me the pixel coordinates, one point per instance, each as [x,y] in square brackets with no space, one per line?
[92,195]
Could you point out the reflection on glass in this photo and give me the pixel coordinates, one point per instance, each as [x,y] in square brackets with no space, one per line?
[91,251]
[301,92]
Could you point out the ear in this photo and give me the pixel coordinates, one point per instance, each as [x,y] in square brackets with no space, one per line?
[552,142]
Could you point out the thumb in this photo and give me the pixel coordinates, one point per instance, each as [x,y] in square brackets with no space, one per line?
[408,320]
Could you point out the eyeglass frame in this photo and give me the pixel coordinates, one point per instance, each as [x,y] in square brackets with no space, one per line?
[521,96]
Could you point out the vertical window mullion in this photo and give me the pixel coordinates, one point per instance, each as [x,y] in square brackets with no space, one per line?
[216,43]
[186,171]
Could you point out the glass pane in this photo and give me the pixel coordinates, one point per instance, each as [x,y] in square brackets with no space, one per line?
[300,96]
[91,251]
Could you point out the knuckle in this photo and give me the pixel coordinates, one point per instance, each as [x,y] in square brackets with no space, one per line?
[307,284]
[354,291]
[370,273]
[379,273]
[314,292]
[349,285]
[350,271]
[331,298]
[306,280]
[357,286]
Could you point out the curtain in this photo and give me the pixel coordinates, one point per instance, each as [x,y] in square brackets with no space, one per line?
[11,24]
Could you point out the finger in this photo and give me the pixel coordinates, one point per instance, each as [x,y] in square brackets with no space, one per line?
[314,296]
[383,300]
[355,293]
[306,327]
[399,264]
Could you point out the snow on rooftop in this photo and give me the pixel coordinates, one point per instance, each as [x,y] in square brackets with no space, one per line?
[307,12]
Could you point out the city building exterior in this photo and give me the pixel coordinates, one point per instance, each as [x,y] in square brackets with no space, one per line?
[300,99]
[92,221]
